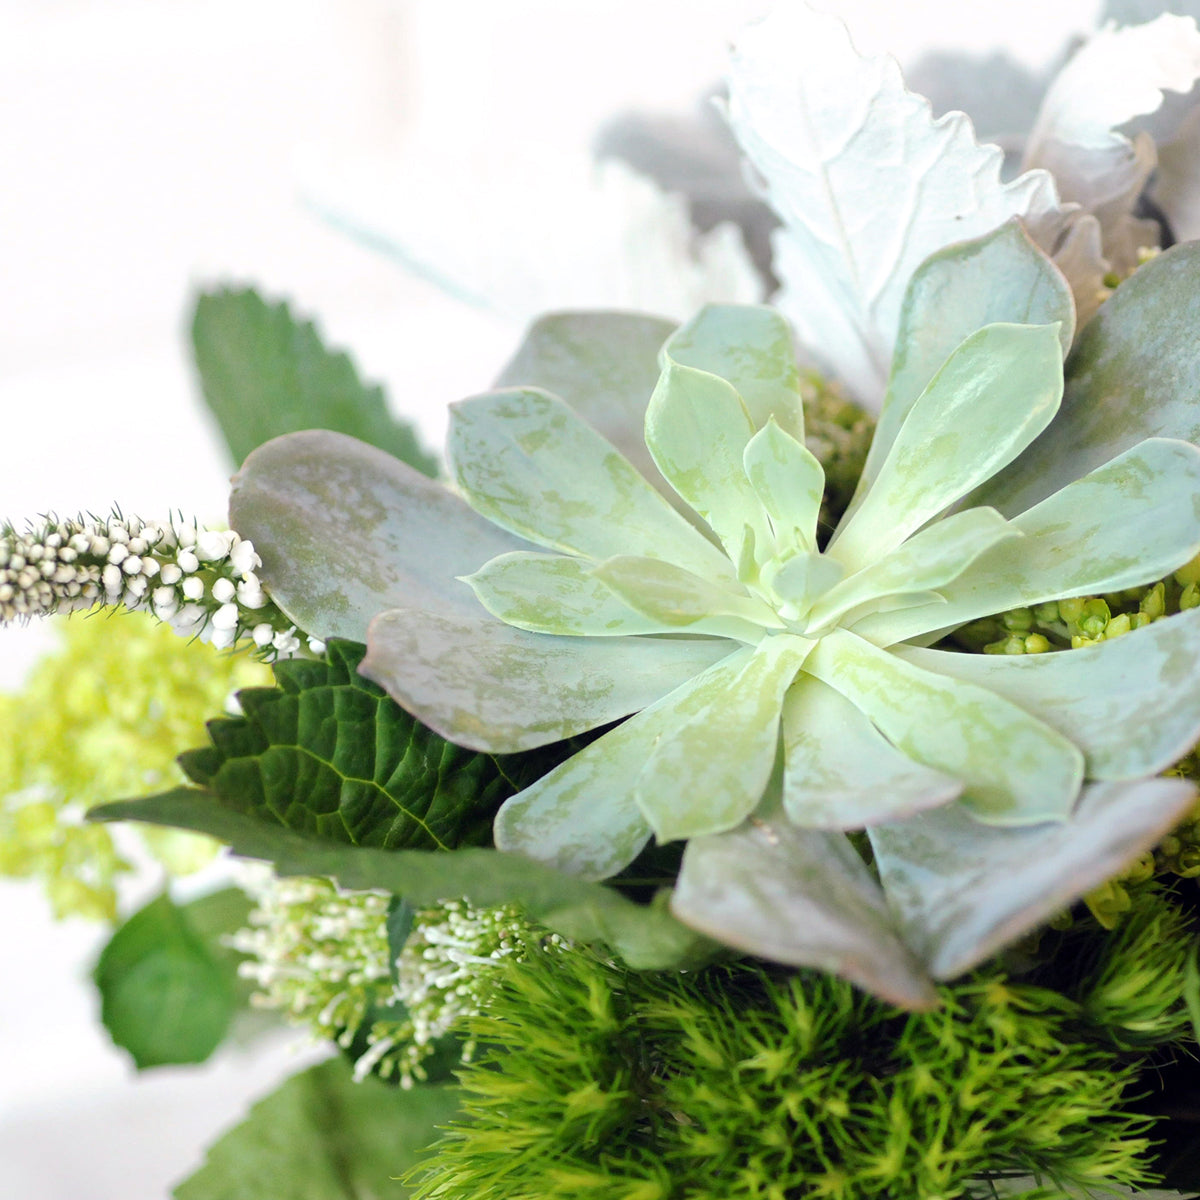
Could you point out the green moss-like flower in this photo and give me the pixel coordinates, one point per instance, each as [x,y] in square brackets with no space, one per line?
[781,689]
[101,718]
[735,1083]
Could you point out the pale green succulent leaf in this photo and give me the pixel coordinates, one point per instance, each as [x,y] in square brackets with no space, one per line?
[697,428]
[789,483]
[841,773]
[604,365]
[750,346]
[528,462]
[710,774]
[1016,769]
[557,594]
[487,686]
[1130,704]
[1134,374]
[961,890]
[1125,524]
[995,393]
[1000,277]
[799,579]
[929,560]
[862,614]
[680,601]
[584,817]
[345,530]
[802,897]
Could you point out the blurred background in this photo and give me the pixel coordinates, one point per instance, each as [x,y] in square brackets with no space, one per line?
[148,147]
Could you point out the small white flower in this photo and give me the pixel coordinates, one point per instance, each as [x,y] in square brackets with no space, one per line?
[223,591]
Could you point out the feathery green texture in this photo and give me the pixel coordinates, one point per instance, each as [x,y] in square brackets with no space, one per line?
[736,1082]
[265,372]
[103,713]
[320,1136]
[328,754]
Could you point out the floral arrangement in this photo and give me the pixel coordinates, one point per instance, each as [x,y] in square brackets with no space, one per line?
[762,762]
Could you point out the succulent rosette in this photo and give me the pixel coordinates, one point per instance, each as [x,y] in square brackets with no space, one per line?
[633,533]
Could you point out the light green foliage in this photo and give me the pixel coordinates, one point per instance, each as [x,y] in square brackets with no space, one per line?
[263,372]
[167,985]
[733,1082]
[102,717]
[321,1136]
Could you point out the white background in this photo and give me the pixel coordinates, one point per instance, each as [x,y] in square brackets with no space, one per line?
[148,146]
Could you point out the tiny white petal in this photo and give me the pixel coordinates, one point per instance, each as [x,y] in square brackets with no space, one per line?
[223,591]
[226,617]
[212,544]
[192,587]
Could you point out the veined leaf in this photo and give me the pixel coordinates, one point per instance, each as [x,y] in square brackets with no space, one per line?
[322,1136]
[328,754]
[867,183]
[263,373]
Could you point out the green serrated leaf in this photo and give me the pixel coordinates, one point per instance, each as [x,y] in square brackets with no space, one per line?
[321,1136]
[264,372]
[167,988]
[329,754]
[647,937]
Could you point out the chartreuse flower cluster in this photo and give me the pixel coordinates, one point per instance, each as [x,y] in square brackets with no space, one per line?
[324,958]
[778,676]
[737,1082]
[100,718]
[201,581]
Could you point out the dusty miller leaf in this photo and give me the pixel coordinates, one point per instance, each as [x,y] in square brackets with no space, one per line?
[830,133]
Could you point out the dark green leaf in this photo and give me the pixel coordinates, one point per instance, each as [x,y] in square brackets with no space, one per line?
[168,990]
[328,754]
[645,936]
[321,1136]
[264,372]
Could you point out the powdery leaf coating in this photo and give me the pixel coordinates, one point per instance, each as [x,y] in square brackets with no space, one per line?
[1117,75]
[829,133]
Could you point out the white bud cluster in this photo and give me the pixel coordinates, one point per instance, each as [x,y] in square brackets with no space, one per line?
[443,974]
[320,955]
[202,581]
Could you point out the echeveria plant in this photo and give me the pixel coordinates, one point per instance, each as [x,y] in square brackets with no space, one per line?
[780,685]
